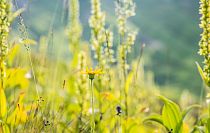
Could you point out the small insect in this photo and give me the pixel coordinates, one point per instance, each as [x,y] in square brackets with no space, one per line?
[119,110]
[40,100]
[171,131]
[46,123]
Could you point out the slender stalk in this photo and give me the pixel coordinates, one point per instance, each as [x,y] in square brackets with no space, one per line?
[124,58]
[126,105]
[2,75]
[119,125]
[139,61]
[92,105]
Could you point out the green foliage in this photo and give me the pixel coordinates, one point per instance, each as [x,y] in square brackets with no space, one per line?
[43,92]
[171,118]
[204,78]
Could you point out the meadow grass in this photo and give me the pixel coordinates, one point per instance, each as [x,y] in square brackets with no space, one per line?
[99,89]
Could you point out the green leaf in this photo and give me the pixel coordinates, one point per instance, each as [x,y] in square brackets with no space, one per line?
[200,129]
[187,110]
[208,125]
[4,128]
[16,77]
[128,81]
[3,103]
[155,118]
[202,74]
[28,42]
[171,115]
[12,54]
[15,14]
[184,113]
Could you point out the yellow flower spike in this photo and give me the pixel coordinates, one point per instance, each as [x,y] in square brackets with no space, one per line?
[91,72]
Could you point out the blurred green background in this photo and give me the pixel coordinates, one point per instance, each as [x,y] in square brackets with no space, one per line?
[169,28]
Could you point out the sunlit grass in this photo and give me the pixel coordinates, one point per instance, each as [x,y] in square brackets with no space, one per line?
[39,93]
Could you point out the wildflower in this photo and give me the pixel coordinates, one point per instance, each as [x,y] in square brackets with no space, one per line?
[97,23]
[124,10]
[91,73]
[81,79]
[108,51]
[205,42]
[4,32]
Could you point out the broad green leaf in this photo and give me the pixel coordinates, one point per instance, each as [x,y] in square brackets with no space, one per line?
[171,115]
[155,118]
[16,77]
[128,81]
[3,103]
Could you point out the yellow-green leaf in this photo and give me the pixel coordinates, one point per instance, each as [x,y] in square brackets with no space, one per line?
[28,42]
[12,53]
[19,115]
[4,128]
[208,125]
[128,81]
[15,14]
[16,77]
[202,74]
[171,115]
[155,118]
[3,103]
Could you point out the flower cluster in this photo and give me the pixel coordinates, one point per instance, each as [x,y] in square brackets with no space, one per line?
[124,9]
[4,31]
[75,30]
[108,51]
[97,23]
[82,80]
[205,37]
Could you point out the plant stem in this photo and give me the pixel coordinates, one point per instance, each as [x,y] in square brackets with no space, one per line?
[125,93]
[92,105]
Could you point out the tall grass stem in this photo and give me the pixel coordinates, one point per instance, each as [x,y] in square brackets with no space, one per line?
[92,106]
